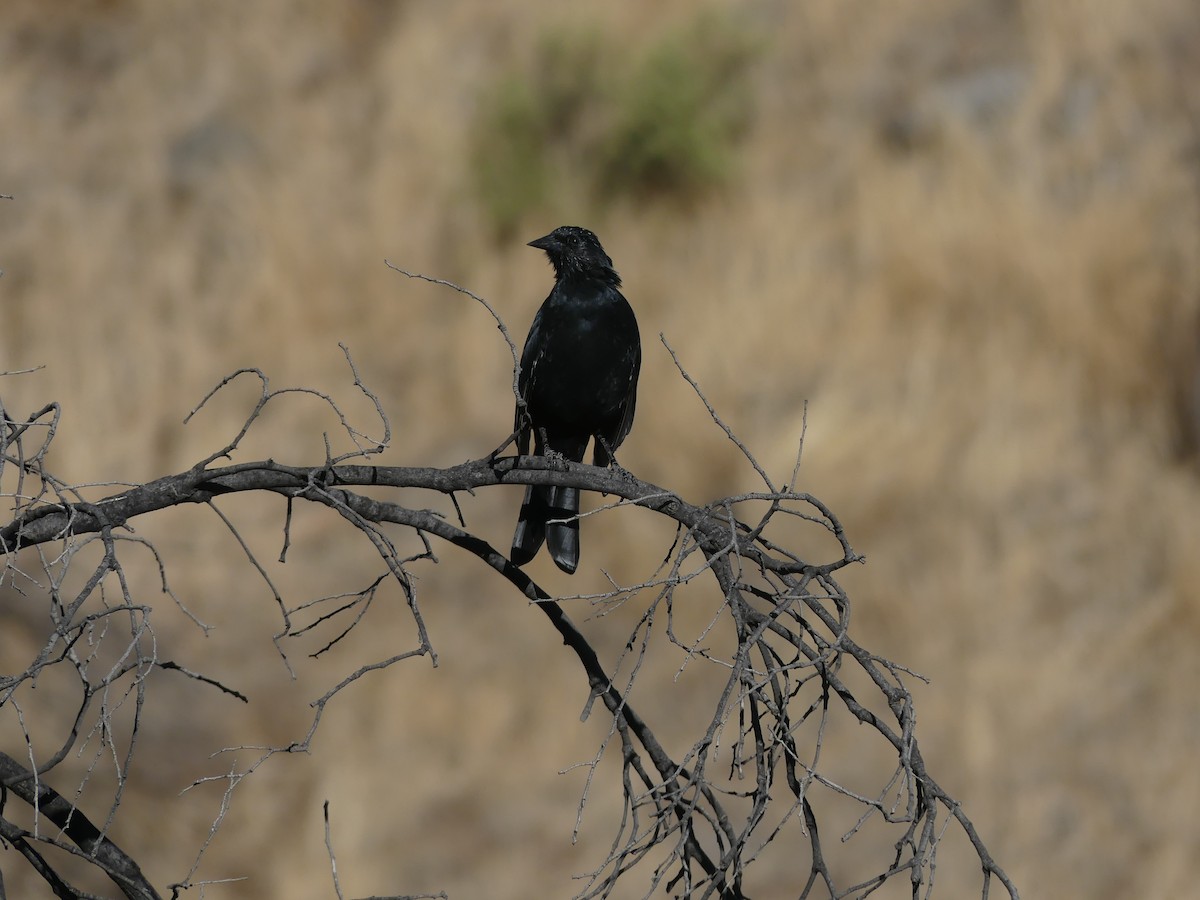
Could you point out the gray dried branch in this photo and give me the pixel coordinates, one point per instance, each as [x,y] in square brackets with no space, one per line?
[795,620]
[696,821]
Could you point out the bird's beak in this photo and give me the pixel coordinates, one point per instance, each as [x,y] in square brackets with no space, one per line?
[545,243]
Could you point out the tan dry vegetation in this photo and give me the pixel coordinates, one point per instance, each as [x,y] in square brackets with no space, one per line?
[966,233]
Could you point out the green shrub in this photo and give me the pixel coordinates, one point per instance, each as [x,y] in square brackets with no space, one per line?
[680,115]
[509,162]
[530,125]
[587,120]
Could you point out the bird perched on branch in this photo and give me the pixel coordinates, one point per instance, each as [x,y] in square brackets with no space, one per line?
[579,373]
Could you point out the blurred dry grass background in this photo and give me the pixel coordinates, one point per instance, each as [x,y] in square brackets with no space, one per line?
[966,233]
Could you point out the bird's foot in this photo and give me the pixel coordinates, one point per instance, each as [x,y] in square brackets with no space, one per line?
[556,459]
[622,472]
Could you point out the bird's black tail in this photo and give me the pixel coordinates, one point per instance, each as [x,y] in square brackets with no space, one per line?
[549,514]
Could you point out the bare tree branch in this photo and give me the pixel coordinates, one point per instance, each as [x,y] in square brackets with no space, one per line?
[695,820]
[117,864]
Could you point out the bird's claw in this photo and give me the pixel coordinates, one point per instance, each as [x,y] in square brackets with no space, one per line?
[556,459]
[622,472]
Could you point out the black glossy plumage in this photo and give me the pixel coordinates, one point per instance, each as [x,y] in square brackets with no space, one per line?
[579,373]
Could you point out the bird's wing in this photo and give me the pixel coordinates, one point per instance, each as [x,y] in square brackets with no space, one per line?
[602,455]
[630,403]
[530,355]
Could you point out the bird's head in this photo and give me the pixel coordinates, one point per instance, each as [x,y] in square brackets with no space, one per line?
[576,251]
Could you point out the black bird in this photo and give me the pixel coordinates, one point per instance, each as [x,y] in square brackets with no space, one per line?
[579,373]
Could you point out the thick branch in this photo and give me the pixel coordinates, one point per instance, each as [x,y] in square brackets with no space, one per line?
[54,521]
[115,862]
